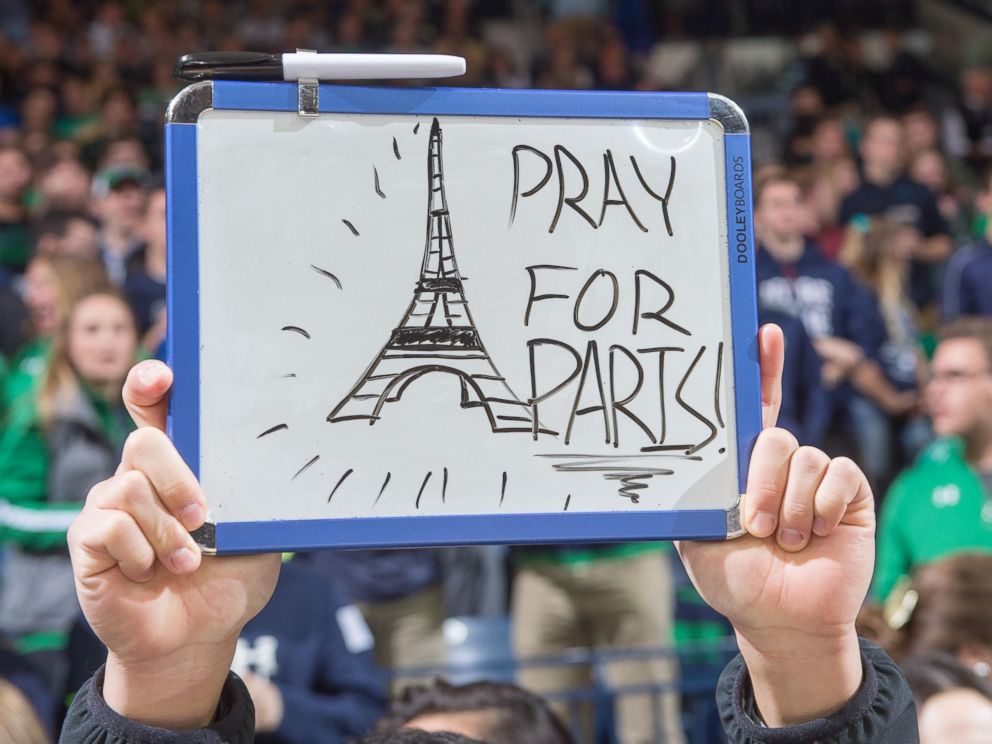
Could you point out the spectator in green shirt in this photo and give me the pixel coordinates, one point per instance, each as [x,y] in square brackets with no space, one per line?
[942,504]
[59,442]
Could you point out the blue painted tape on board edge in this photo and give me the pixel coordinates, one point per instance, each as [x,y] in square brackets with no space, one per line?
[183,290]
[743,298]
[440,530]
[231,95]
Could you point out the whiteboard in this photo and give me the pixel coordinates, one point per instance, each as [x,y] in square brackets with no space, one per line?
[453,316]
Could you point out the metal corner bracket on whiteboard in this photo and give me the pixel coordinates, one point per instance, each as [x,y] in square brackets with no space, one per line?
[190,102]
[728,114]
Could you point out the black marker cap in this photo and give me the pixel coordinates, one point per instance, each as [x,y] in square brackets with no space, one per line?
[228,66]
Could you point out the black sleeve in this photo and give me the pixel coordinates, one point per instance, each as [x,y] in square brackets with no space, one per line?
[91,720]
[882,711]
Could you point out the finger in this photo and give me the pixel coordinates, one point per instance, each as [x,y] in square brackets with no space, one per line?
[771,357]
[843,496]
[132,493]
[127,545]
[806,469]
[150,451]
[146,393]
[767,476]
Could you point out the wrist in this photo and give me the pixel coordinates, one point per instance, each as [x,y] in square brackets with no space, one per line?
[178,691]
[798,677]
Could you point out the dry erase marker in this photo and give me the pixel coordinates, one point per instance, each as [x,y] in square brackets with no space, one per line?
[259,66]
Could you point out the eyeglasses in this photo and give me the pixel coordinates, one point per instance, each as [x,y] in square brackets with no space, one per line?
[955,376]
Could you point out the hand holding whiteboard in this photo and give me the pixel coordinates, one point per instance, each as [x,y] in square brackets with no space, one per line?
[454,316]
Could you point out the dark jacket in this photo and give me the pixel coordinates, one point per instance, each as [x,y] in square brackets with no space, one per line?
[310,642]
[882,712]
[968,282]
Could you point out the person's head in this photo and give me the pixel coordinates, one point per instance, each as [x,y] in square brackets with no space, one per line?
[118,197]
[882,146]
[779,212]
[153,220]
[94,345]
[124,153]
[876,251]
[944,607]
[497,713]
[829,141]
[19,723]
[929,168]
[416,736]
[953,703]
[53,284]
[976,86]
[920,130]
[15,173]
[66,233]
[65,185]
[959,392]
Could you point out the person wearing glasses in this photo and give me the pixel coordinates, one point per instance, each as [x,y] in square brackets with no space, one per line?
[943,503]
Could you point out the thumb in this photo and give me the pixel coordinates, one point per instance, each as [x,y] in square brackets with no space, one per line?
[146,393]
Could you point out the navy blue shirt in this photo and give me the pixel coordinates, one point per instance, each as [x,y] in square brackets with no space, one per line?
[819,292]
[968,282]
[311,643]
[806,407]
[902,202]
[892,344]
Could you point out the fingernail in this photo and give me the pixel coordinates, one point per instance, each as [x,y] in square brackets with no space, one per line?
[790,538]
[183,560]
[147,374]
[762,524]
[192,516]
[819,527]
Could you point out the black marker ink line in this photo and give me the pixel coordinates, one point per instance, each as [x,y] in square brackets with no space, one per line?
[423,485]
[354,230]
[341,480]
[296,329]
[378,189]
[383,489]
[328,274]
[568,500]
[716,387]
[277,427]
[416,128]
[315,458]
[502,492]
[396,149]
[444,485]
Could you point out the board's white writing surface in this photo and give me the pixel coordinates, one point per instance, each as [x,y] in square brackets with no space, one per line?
[567,234]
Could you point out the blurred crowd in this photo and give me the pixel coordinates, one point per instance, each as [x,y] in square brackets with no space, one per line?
[873,217]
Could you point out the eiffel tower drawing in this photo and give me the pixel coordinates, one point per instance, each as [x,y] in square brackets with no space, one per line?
[437,334]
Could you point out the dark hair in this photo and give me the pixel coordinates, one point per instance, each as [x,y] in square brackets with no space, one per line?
[415,736]
[944,607]
[56,222]
[932,673]
[509,714]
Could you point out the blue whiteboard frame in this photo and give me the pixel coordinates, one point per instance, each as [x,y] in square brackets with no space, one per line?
[183,341]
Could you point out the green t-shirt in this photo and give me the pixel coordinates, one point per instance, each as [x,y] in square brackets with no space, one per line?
[939,506]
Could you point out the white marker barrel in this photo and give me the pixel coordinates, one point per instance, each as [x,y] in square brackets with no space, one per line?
[370,66]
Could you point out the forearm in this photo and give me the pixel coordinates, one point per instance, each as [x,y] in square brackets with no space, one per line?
[796,679]
[179,693]
[934,249]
